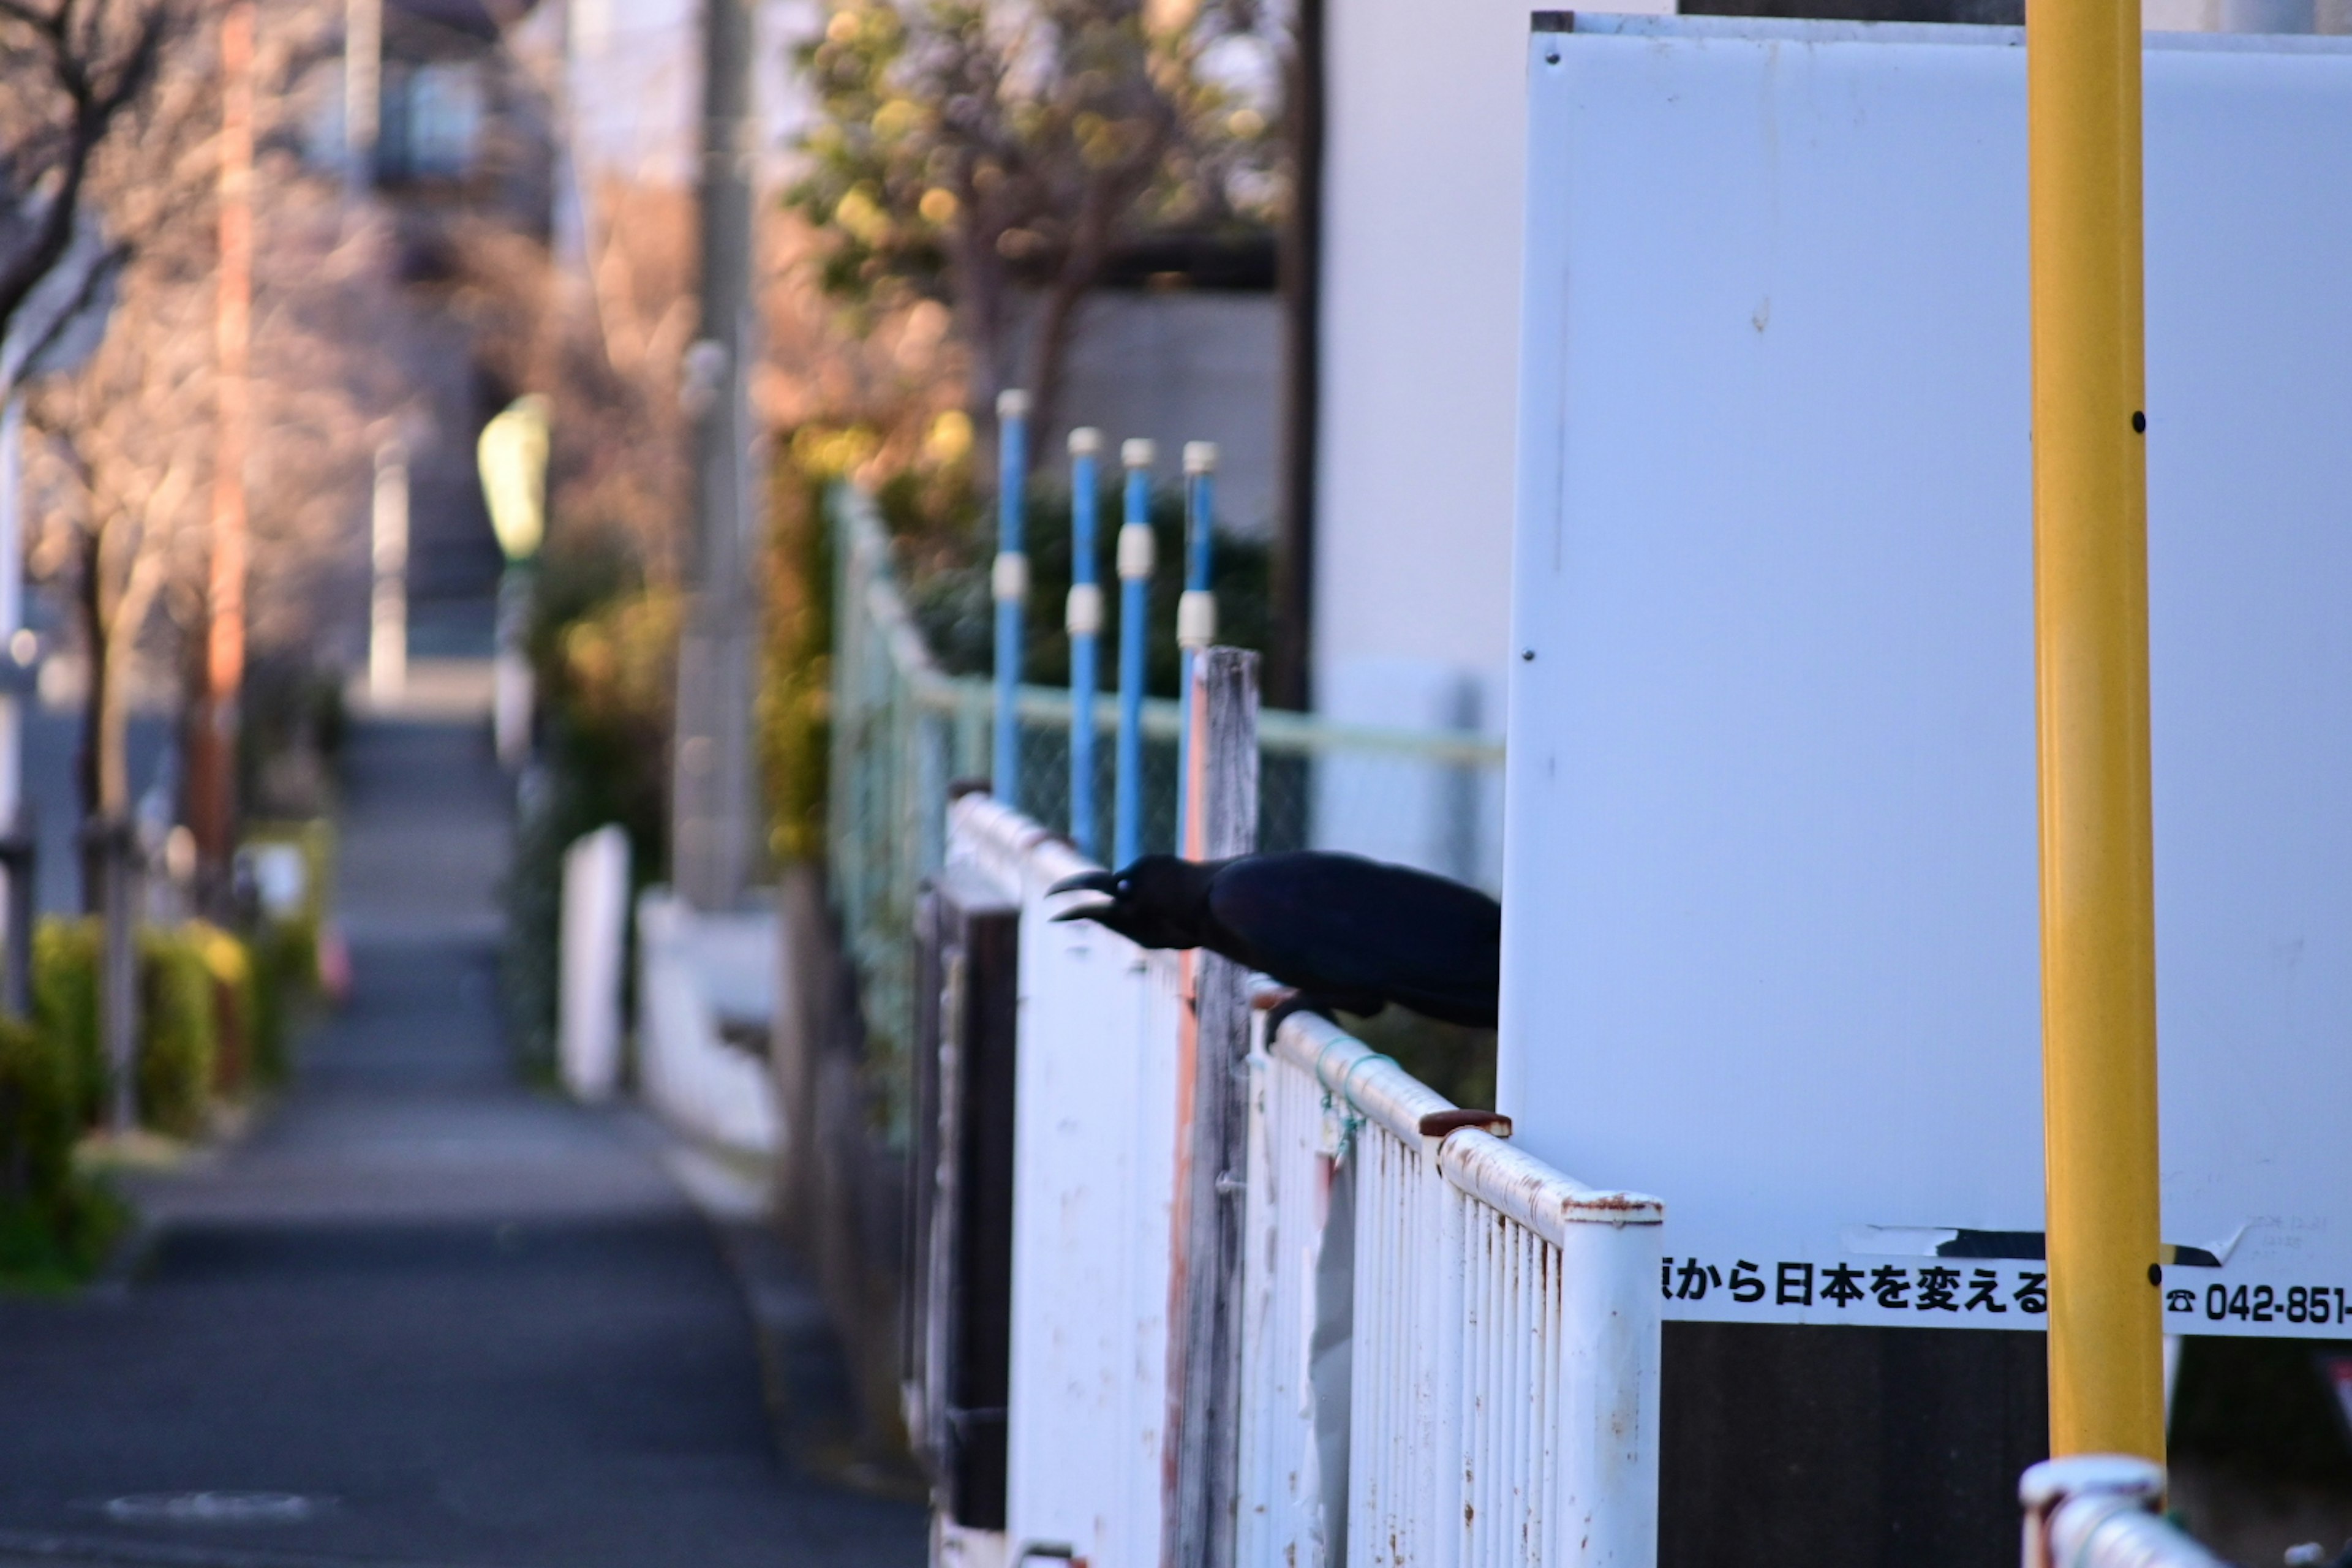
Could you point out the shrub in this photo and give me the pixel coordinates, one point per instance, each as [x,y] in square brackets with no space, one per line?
[237,1064]
[603,645]
[283,966]
[55,1226]
[184,972]
[65,1005]
[793,708]
[178,1033]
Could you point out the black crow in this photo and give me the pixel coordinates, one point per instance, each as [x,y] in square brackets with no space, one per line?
[1345,931]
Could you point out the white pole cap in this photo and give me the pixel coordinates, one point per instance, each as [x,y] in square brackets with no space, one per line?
[1008,580]
[1012,403]
[1084,611]
[1137,453]
[1136,551]
[1196,618]
[1200,457]
[1085,441]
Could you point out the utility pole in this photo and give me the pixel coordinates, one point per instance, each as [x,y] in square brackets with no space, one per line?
[2090,580]
[363,94]
[16,825]
[713,839]
[212,773]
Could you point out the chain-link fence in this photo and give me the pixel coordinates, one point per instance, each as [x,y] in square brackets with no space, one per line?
[904,731]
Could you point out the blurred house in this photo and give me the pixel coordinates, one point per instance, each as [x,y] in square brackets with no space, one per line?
[1183,343]
[464,146]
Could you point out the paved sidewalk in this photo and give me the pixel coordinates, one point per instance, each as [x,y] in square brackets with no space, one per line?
[465,1322]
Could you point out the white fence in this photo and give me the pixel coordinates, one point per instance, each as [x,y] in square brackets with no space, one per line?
[1450,1351]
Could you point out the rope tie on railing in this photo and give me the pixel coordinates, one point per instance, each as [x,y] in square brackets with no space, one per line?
[1343,1141]
[1337,1098]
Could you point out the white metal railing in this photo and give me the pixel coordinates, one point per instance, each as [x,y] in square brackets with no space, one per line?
[1488,1328]
[2098,1510]
[1504,1341]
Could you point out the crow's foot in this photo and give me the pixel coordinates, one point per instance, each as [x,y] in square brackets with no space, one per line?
[1322,1006]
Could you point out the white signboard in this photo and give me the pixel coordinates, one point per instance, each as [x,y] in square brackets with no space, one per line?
[1771,930]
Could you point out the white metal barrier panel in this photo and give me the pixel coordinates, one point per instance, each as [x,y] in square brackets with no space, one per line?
[1449,1351]
[1497,1324]
[1094,1173]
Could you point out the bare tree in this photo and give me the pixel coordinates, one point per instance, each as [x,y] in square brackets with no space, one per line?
[124,464]
[124,468]
[70,73]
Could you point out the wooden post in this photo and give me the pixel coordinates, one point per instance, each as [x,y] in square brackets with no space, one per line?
[1201,1450]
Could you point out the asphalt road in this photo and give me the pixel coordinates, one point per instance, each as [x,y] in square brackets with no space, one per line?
[437,1316]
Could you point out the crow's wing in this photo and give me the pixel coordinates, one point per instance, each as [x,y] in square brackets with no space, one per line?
[1348,926]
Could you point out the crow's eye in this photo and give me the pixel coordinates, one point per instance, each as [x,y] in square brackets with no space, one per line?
[1125,887]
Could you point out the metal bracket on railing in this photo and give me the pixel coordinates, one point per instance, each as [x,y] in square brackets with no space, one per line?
[1441,1125]
[1437,1124]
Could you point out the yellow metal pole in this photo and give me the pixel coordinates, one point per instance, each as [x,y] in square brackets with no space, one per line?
[2098,921]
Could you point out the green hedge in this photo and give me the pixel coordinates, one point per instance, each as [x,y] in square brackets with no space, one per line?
[213,1023]
[65,1006]
[212,1018]
[55,1226]
[179,1031]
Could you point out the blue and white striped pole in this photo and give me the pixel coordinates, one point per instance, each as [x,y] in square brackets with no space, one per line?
[1135,564]
[1084,621]
[1010,581]
[1196,611]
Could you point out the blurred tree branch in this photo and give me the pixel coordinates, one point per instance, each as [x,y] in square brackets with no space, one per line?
[123,466]
[70,71]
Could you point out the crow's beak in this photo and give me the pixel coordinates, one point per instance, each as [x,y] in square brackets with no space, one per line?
[1087,882]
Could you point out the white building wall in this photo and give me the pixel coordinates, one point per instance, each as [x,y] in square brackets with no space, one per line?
[1420,353]
[635,74]
[1423,169]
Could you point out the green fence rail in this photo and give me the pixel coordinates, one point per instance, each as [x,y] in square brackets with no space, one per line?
[904,731]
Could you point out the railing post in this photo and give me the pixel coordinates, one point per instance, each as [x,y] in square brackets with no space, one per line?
[1136,549]
[1084,621]
[1010,585]
[1201,1451]
[1608,1393]
[1443,1466]
[2130,1481]
[1196,610]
